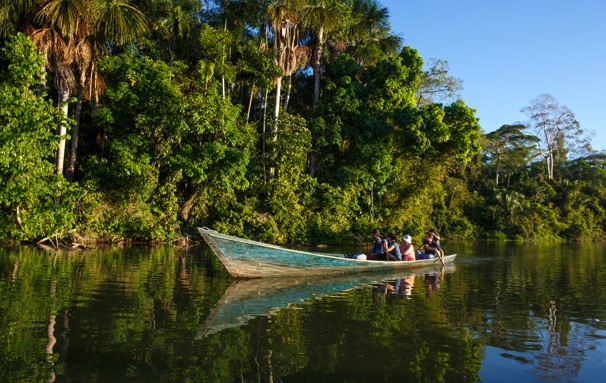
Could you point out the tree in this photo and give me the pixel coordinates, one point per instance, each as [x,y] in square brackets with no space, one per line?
[508,147]
[370,37]
[509,207]
[436,85]
[72,34]
[284,17]
[15,14]
[321,16]
[557,129]
[29,203]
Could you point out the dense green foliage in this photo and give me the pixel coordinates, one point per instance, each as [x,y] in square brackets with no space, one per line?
[178,114]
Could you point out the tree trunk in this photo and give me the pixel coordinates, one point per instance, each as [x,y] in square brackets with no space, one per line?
[277,106]
[223,62]
[250,100]
[287,97]
[372,202]
[18,215]
[71,167]
[187,206]
[274,138]
[317,62]
[265,133]
[498,170]
[63,97]
[311,163]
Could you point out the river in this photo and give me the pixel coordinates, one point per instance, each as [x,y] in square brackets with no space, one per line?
[506,311]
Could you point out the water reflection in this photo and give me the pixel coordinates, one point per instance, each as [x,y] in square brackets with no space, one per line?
[246,299]
[509,311]
[402,287]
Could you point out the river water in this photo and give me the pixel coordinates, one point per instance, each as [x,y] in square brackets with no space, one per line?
[505,312]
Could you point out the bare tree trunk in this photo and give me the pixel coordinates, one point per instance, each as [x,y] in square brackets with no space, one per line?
[287,97]
[250,100]
[187,206]
[277,106]
[265,132]
[62,131]
[223,62]
[18,215]
[311,162]
[497,175]
[71,167]
[317,62]
[274,138]
[372,202]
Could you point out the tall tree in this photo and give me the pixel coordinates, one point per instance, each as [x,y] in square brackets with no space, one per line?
[370,37]
[284,17]
[72,34]
[321,16]
[507,146]
[556,127]
[436,85]
[27,190]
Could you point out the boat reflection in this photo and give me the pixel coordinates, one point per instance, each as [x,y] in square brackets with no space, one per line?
[246,299]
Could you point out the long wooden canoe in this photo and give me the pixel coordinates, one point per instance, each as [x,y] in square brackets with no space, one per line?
[244,258]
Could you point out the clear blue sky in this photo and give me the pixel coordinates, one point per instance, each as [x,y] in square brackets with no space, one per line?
[509,52]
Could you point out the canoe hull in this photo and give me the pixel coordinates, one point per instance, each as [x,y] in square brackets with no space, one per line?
[251,259]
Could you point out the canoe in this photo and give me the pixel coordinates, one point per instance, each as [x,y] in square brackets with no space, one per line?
[244,258]
[246,299]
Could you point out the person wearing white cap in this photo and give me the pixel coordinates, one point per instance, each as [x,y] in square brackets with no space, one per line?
[407,249]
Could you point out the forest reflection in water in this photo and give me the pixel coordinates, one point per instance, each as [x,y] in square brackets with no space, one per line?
[505,311]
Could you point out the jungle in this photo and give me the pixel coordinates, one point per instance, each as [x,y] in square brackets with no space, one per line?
[287,121]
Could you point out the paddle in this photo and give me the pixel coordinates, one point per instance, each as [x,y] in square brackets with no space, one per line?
[438,249]
[440,256]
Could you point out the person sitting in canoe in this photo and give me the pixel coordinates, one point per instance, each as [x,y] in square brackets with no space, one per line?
[436,238]
[431,247]
[378,248]
[407,249]
[392,248]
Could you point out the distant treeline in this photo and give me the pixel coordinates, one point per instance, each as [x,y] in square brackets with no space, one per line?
[286,121]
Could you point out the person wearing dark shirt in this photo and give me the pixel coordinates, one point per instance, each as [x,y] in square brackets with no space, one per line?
[378,249]
[392,248]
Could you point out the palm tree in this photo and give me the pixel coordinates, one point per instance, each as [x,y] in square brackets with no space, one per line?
[284,17]
[56,40]
[321,16]
[371,29]
[509,206]
[71,34]
[114,21]
[15,15]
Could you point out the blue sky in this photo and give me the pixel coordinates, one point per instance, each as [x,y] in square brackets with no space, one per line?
[509,52]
